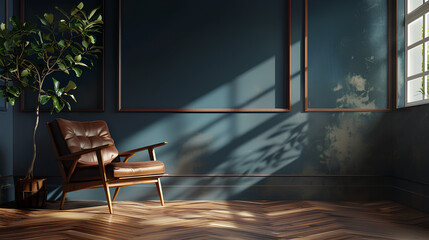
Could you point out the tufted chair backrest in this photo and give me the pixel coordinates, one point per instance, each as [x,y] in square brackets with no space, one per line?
[84,135]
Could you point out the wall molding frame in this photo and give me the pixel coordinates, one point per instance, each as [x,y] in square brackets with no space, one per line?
[390,67]
[287,108]
[3,105]
[396,55]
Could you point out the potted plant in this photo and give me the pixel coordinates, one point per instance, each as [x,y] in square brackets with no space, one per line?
[30,53]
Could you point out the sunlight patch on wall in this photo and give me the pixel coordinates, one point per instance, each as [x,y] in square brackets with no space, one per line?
[252,89]
[295,73]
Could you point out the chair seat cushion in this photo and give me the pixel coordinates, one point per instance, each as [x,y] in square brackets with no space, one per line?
[132,169]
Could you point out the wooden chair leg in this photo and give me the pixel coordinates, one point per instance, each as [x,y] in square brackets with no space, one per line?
[102,169]
[116,193]
[159,188]
[109,202]
[63,198]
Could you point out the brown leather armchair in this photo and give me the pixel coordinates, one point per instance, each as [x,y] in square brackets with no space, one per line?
[88,158]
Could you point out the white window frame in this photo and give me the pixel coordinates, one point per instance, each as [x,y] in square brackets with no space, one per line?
[421,11]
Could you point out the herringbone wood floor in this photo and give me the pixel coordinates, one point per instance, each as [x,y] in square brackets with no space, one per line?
[216,220]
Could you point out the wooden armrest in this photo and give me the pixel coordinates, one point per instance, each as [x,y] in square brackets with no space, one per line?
[73,156]
[132,152]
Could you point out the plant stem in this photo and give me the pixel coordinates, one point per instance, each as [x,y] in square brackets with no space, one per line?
[30,170]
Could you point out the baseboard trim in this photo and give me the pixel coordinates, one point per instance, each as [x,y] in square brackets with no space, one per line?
[268,175]
[410,180]
[8,176]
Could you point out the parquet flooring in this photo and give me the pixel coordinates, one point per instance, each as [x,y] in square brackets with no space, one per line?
[216,220]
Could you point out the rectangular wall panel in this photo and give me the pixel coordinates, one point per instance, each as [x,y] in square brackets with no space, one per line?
[349,65]
[204,56]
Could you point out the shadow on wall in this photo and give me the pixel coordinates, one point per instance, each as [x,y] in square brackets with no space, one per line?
[300,143]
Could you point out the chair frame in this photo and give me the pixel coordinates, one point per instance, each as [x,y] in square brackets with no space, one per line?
[105,182]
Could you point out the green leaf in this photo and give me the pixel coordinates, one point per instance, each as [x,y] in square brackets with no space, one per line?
[70,86]
[72,96]
[43,21]
[92,39]
[16,23]
[11,100]
[63,12]
[15,91]
[68,105]
[61,43]
[74,11]
[56,86]
[25,81]
[77,25]
[78,58]
[75,50]
[25,72]
[49,17]
[2,26]
[82,64]
[80,6]
[56,103]
[92,13]
[40,36]
[63,68]
[70,58]
[85,44]
[44,99]
[77,8]
[50,50]
[35,47]
[47,36]
[78,71]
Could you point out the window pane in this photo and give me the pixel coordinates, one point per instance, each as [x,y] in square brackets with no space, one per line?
[413,4]
[415,31]
[414,88]
[415,60]
[427,24]
[427,56]
[426,96]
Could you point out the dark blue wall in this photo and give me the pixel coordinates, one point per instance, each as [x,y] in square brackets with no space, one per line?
[295,143]
[6,156]
[6,139]
[299,144]
[410,160]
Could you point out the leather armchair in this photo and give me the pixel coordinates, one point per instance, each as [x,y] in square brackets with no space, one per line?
[88,158]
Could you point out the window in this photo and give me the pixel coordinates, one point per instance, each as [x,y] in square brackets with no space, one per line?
[417,52]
